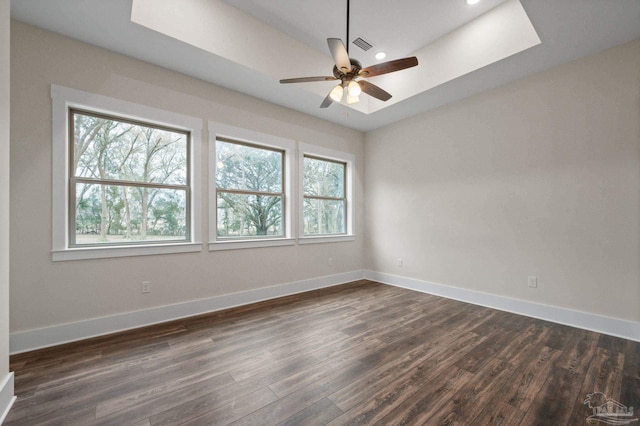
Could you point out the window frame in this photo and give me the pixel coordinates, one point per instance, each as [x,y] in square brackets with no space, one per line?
[259,140]
[250,192]
[326,154]
[74,180]
[324,197]
[65,99]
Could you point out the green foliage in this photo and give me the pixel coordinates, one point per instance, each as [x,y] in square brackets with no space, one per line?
[324,197]
[109,158]
[250,187]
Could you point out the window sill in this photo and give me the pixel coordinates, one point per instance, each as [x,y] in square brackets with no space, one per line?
[123,251]
[245,244]
[326,239]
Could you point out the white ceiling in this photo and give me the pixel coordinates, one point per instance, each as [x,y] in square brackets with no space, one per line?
[398,29]
[567,30]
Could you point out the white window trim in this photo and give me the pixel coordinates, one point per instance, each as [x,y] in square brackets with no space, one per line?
[62,99]
[260,139]
[329,154]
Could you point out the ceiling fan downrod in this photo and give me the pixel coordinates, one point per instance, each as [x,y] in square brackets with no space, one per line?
[347,39]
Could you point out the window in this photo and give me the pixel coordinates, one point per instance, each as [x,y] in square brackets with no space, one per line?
[250,179]
[124,179]
[129,181]
[326,186]
[325,200]
[249,190]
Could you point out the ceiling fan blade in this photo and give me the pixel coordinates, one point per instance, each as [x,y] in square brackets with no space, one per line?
[373,90]
[387,67]
[306,79]
[327,101]
[339,54]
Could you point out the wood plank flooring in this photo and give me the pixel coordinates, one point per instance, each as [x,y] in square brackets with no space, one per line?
[361,353]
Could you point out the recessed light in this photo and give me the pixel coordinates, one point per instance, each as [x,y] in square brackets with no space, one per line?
[470,2]
[381,55]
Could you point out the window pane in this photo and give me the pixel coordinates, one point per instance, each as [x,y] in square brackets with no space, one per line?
[323,178]
[122,214]
[248,168]
[242,215]
[324,216]
[105,148]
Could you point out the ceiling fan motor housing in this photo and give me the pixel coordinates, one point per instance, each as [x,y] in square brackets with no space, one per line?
[356,66]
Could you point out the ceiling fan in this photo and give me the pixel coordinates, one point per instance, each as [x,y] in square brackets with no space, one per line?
[351,74]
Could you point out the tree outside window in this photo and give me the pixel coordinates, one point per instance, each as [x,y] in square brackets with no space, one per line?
[249,190]
[325,201]
[129,181]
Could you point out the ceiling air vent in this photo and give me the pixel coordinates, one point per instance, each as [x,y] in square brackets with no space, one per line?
[362,44]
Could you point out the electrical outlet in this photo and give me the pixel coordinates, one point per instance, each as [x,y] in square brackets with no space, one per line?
[145,287]
[533,282]
[399,262]
[330,261]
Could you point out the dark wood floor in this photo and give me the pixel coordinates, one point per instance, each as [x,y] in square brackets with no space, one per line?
[362,353]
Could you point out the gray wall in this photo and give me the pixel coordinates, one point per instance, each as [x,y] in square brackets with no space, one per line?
[6,378]
[4,189]
[46,293]
[540,177]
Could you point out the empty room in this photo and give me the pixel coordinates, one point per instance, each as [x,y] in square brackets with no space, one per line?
[339,212]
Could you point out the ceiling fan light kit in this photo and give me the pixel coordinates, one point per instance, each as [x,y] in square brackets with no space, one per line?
[354,88]
[336,93]
[351,74]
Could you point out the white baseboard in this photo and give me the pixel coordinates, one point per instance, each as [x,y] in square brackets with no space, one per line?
[598,323]
[7,398]
[23,341]
[29,340]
